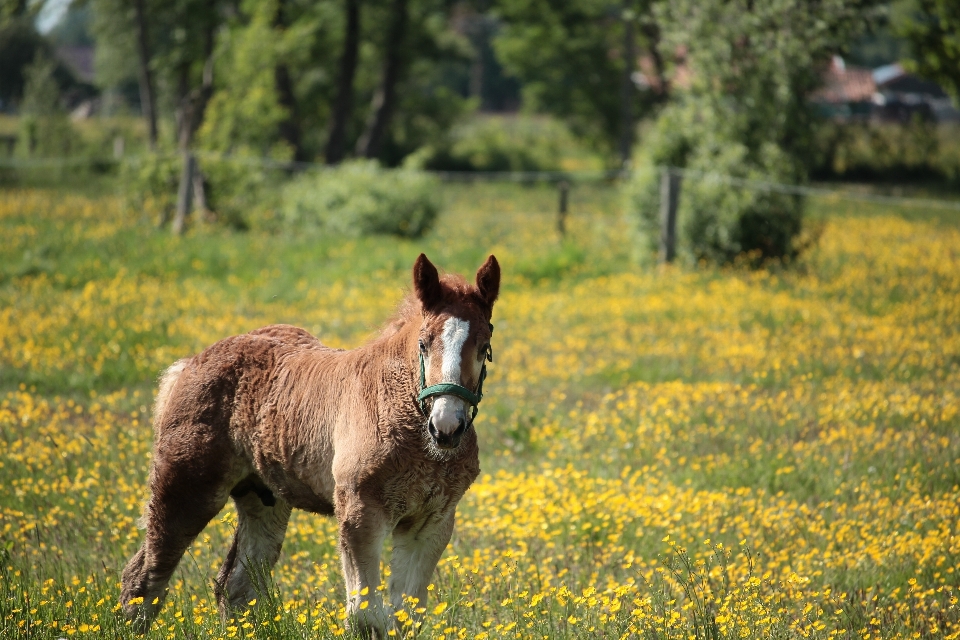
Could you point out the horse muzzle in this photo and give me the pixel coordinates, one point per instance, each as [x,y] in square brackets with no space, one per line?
[447,440]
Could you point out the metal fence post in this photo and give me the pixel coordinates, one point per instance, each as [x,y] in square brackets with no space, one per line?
[669,195]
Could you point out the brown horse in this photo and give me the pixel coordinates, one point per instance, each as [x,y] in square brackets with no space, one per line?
[380,436]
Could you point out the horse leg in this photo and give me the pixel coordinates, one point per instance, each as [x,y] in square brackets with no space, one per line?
[416,551]
[362,532]
[180,506]
[245,574]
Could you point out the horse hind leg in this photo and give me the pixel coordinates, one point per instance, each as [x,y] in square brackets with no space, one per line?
[180,506]
[261,526]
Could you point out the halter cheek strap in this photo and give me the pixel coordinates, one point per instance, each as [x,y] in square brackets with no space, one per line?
[452,389]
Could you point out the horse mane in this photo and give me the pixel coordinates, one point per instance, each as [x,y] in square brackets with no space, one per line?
[455,288]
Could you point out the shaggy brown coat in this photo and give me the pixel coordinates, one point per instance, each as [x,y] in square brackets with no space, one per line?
[277,420]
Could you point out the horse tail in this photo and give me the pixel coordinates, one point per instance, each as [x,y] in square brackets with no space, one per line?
[167,380]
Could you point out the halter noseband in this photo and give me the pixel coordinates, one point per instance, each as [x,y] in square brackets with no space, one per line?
[451,388]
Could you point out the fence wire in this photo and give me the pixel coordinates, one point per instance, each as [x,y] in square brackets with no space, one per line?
[526,177]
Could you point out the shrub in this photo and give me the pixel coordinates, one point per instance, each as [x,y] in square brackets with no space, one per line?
[720,222]
[666,143]
[360,198]
[498,144]
[240,189]
[717,220]
[236,188]
[745,114]
[149,183]
[886,151]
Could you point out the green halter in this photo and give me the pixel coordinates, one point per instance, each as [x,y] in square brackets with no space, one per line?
[452,389]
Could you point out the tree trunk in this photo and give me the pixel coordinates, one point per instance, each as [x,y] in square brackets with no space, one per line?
[627,91]
[343,105]
[148,102]
[290,126]
[192,103]
[385,98]
[191,106]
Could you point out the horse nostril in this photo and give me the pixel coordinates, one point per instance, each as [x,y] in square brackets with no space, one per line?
[432,428]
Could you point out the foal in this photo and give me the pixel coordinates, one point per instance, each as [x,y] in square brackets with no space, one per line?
[380,436]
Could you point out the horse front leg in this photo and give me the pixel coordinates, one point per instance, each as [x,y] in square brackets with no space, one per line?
[416,550]
[363,529]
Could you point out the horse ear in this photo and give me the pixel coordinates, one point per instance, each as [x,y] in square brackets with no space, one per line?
[488,281]
[426,282]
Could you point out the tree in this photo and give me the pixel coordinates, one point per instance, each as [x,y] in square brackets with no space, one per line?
[45,129]
[20,44]
[575,59]
[289,128]
[932,31]
[752,66]
[384,102]
[148,100]
[168,46]
[347,71]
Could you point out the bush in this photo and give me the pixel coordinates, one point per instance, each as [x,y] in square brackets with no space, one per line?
[240,189]
[720,222]
[359,198]
[149,183]
[498,144]
[887,151]
[666,143]
[236,188]
[716,220]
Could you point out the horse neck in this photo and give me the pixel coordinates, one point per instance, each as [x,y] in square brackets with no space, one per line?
[394,357]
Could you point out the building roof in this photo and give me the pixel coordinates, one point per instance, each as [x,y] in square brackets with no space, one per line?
[843,84]
[79,60]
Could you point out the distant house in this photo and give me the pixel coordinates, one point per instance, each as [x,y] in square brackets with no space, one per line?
[885,94]
[79,60]
[901,96]
[847,92]
[80,99]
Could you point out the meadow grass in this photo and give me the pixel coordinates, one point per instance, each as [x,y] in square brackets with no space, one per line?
[666,453]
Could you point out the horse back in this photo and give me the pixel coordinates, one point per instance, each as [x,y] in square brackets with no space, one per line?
[216,405]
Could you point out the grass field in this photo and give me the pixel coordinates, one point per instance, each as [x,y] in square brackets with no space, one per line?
[710,453]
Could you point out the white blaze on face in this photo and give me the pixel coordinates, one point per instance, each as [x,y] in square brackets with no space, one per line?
[448,411]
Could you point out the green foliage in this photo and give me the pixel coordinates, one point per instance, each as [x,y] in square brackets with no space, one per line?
[244,111]
[430,97]
[149,183]
[745,115]
[667,142]
[241,190]
[569,56]
[887,151]
[19,44]
[359,198]
[721,222]
[498,144]
[45,130]
[932,31]
[238,188]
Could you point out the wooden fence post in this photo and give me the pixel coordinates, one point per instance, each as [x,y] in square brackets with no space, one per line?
[184,193]
[669,195]
[562,210]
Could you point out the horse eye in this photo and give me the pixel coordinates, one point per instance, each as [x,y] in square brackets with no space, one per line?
[423,347]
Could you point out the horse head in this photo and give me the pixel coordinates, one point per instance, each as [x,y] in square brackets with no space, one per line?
[454,345]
